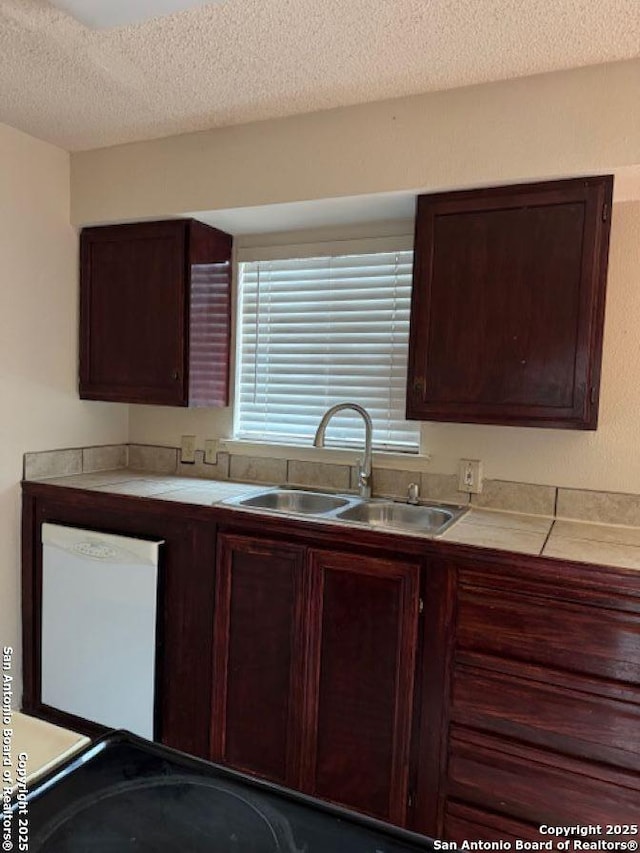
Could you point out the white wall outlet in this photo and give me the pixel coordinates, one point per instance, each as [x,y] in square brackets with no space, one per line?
[470,476]
[188,449]
[211,451]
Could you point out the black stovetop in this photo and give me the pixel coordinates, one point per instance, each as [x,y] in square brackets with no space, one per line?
[124,794]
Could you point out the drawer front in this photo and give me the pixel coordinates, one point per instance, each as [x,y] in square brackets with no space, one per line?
[465,823]
[538,788]
[569,721]
[549,632]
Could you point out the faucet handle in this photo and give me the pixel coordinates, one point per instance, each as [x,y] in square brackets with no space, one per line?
[364,481]
[413,493]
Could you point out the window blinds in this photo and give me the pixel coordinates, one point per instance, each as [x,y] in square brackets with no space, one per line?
[315,331]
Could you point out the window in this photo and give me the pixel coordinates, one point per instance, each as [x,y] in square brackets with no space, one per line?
[314,331]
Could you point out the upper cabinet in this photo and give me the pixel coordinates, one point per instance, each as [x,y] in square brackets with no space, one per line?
[155,313]
[508,304]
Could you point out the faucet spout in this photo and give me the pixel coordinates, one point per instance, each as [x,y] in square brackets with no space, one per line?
[364,466]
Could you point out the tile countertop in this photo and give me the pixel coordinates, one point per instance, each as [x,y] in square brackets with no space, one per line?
[166,487]
[601,544]
[43,744]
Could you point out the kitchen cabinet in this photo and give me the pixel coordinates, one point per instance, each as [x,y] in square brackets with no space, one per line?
[258,658]
[362,640]
[544,701]
[458,691]
[508,304]
[322,644]
[155,313]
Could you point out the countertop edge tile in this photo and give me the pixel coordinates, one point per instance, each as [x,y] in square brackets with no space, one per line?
[621,534]
[593,552]
[508,519]
[499,538]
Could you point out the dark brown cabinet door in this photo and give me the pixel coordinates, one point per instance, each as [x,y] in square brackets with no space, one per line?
[362,646]
[314,670]
[508,304]
[154,313]
[258,658]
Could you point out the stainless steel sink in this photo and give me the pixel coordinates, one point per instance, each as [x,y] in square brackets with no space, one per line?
[398,516]
[294,500]
[381,514]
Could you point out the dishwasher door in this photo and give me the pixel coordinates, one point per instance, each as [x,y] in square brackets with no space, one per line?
[99,609]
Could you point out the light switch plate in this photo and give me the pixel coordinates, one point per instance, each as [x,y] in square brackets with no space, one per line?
[188,449]
[470,476]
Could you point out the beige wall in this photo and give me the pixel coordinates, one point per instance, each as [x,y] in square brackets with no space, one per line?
[565,123]
[38,341]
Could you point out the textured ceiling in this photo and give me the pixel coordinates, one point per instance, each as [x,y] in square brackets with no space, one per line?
[241,60]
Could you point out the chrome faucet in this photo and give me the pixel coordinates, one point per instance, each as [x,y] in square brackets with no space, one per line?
[364,466]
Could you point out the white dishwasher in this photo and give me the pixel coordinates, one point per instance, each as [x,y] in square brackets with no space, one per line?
[99,607]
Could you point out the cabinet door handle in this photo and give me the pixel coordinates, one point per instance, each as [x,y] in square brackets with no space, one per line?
[175,375]
[420,385]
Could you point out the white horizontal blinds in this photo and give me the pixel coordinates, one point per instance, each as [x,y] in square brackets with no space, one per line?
[315,331]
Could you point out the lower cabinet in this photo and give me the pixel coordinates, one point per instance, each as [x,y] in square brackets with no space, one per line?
[314,668]
[258,658]
[362,639]
[304,655]
[543,708]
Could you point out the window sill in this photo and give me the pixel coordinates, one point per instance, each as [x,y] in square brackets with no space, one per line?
[332,455]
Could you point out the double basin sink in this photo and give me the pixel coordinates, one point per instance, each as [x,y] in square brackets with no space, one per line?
[418,518]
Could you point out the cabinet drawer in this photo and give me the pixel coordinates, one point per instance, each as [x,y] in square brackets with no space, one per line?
[550,632]
[465,823]
[536,787]
[571,721]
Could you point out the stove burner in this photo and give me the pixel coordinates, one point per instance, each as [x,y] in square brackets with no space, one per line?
[147,815]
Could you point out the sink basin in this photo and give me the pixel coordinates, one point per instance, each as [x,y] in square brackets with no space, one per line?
[294,500]
[380,514]
[389,514]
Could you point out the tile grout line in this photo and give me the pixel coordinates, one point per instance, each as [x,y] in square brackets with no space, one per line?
[548,536]
[553,522]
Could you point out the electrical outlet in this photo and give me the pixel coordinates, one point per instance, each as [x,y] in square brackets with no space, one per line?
[470,476]
[211,451]
[188,449]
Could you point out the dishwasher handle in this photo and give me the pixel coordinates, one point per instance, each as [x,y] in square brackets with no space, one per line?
[103,547]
